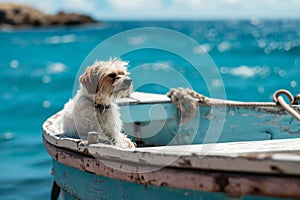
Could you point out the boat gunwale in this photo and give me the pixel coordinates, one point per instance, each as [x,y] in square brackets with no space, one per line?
[280,161]
[278,185]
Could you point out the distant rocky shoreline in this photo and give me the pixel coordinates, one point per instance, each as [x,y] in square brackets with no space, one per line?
[22,15]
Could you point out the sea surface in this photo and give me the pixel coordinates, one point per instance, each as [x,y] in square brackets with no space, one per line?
[39,66]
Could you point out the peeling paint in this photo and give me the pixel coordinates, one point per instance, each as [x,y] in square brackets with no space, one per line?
[265,168]
[185,163]
[221,182]
[236,184]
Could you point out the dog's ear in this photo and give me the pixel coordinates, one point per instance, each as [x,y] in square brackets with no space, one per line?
[90,79]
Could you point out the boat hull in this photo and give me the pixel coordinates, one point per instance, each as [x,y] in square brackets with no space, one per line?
[242,161]
[77,184]
[84,177]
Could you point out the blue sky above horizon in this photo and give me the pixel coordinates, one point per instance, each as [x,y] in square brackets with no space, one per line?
[171,9]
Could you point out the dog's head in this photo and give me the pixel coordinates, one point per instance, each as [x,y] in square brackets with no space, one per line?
[108,79]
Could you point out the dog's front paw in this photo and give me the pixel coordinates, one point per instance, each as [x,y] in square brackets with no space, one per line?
[130,144]
[124,142]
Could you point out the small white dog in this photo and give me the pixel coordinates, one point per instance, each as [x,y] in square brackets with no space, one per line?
[93,109]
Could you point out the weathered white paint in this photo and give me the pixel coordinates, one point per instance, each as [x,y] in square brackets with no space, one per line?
[267,168]
[153,119]
[237,184]
[146,98]
[255,156]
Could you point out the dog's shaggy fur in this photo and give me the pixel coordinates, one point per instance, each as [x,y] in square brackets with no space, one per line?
[93,109]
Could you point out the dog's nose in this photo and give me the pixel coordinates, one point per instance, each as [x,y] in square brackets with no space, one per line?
[127,81]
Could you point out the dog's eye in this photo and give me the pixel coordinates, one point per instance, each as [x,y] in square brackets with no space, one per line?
[113,75]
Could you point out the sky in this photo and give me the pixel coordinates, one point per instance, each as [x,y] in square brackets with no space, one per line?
[171,9]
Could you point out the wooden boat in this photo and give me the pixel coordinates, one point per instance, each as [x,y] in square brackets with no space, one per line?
[255,155]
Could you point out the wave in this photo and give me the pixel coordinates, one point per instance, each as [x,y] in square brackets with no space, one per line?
[26,188]
[6,136]
[246,71]
[56,39]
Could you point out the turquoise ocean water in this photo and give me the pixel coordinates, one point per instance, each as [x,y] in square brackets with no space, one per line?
[39,66]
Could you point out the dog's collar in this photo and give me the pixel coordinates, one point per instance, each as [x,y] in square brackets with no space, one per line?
[102,108]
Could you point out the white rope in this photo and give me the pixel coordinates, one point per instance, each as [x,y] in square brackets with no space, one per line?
[187,101]
[293,100]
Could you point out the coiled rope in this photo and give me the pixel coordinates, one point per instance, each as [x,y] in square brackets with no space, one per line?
[187,101]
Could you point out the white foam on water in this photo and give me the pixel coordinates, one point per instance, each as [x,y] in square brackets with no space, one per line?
[224,46]
[204,48]
[46,79]
[216,82]
[282,73]
[6,136]
[56,39]
[46,104]
[246,71]
[293,84]
[136,40]
[55,68]
[14,64]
